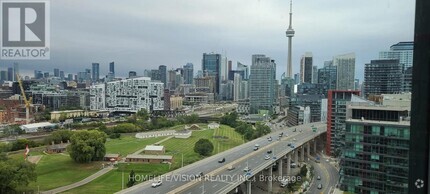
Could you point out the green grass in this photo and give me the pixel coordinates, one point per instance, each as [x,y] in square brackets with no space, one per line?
[111,181]
[128,145]
[57,170]
[177,147]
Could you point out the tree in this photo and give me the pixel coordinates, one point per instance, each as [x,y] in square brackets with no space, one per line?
[14,173]
[143,114]
[229,119]
[87,146]
[203,147]
[303,171]
[260,130]
[59,136]
[125,128]
[131,179]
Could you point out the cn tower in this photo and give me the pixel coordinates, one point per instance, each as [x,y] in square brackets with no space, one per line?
[290,34]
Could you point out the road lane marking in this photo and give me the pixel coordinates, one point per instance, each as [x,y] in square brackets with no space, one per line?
[214,185]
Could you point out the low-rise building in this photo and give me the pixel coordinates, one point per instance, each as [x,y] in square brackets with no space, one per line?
[154,150]
[153,159]
[183,134]
[36,127]
[213,125]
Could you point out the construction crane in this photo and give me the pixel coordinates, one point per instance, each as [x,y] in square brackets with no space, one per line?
[27,102]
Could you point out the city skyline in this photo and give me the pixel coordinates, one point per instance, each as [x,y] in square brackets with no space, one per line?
[137,39]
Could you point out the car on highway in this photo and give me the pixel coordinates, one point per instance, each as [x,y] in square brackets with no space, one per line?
[230,168]
[318,178]
[319,186]
[246,169]
[269,151]
[327,160]
[267,157]
[293,165]
[269,138]
[284,183]
[281,134]
[255,148]
[289,144]
[221,160]
[294,139]
[200,174]
[257,145]
[156,183]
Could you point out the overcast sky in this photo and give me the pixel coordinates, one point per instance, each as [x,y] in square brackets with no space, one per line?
[142,34]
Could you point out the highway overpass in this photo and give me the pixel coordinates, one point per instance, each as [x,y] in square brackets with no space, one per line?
[218,179]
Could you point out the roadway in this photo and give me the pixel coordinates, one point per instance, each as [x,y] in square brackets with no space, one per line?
[329,176]
[243,154]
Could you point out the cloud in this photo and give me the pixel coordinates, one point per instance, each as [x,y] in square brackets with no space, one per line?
[140,35]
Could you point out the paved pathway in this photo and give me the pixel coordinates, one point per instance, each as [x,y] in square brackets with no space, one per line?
[80,183]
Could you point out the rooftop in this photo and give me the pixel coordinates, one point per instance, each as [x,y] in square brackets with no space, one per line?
[154,148]
[38,125]
[138,156]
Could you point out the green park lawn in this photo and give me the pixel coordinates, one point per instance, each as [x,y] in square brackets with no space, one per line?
[57,170]
[177,147]
[128,144]
[111,181]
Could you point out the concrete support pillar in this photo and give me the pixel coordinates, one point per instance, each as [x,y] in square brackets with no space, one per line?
[248,187]
[315,146]
[302,153]
[280,166]
[296,156]
[269,180]
[289,164]
[308,149]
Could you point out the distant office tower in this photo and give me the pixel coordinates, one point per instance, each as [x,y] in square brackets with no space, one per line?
[15,70]
[211,64]
[61,75]
[306,68]
[314,74]
[37,74]
[298,115]
[155,74]
[357,84]
[226,91]
[375,157]
[46,74]
[188,73]
[162,69]
[56,72]
[112,68]
[70,77]
[383,77]
[229,66]
[10,75]
[403,51]
[199,74]
[297,78]
[88,75]
[336,108]
[262,83]
[130,95]
[290,34]
[407,80]
[223,70]
[3,76]
[345,71]
[96,72]
[244,68]
[327,76]
[237,86]
[244,90]
[146,73]
[132,74]
[171,77]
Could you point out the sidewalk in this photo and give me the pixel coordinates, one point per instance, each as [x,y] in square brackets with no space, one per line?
[80,183]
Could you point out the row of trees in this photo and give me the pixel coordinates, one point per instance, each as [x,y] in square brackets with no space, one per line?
[247,130]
